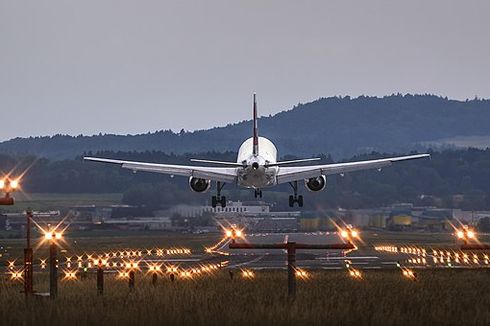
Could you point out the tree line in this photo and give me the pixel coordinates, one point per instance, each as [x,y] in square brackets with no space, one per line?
[451,178]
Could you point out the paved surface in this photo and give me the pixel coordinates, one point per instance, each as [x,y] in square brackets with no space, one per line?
[311,259]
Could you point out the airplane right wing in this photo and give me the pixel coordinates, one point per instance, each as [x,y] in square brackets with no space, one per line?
[222,174]
[289,174]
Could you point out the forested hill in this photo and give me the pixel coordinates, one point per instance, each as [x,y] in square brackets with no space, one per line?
[339,126]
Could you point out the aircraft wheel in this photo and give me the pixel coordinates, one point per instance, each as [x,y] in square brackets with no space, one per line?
[214,201]
[223,201]
[300,201]
[291,201]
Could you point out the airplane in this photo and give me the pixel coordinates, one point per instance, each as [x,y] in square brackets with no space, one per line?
[257,168]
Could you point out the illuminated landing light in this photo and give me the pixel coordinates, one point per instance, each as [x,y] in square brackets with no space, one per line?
[154,268]
[409,274]
[355,273]
[248,274]
[16,276]
[14,184]
[185,274]
[11,264]
[2,184]
[172,269]
[70,275]
[302,274]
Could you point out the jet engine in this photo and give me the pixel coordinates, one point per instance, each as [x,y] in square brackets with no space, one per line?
[316,184]
[199,185]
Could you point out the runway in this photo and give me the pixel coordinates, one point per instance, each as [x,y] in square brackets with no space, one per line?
[366,257]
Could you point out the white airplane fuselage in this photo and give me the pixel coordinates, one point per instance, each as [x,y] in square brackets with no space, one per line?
[256,174]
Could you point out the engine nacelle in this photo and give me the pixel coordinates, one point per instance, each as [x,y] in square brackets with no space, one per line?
[316,184]
[199,185]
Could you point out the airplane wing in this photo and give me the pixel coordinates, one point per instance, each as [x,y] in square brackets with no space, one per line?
[211,173]
[289,174]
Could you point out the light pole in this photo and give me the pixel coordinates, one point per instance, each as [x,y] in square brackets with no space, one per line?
[53,238]
[8,186]
[28,257]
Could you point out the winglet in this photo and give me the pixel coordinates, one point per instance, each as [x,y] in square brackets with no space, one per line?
[255,131]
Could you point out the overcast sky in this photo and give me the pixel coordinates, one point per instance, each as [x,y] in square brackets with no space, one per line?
[117,66]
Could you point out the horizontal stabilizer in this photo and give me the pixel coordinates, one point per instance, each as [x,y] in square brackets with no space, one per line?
[216,162]
[293,161]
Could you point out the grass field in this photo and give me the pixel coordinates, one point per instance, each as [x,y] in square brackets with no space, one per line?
[448,297]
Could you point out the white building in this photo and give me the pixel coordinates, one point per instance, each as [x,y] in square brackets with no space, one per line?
[232,208]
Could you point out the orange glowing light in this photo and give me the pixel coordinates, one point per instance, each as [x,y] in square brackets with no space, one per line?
[14,184]
[248,274]
[408,273]
[354,273]
[301,273]
[70,275]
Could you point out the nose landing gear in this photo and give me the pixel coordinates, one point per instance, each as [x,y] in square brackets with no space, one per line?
[218,199]
[295,198]
[258,193]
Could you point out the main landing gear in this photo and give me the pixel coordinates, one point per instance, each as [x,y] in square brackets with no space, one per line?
[295,198]
[218,199]
[258,193]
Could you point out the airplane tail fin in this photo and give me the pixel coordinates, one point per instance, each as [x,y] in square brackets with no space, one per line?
[255,131]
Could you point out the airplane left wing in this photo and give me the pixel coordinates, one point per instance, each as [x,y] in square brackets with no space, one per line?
[210,173]
[289,174]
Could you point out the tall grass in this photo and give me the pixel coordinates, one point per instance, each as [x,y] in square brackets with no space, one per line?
[381,298]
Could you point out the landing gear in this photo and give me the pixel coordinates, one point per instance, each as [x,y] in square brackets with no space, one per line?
[258,193]
[218,199]
[295,198]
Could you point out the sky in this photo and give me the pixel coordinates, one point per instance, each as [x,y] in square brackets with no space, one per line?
[119,66]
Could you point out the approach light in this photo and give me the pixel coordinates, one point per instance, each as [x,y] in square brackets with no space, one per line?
[460,234]
[410,274]
[14,184]
[302,274]
[354,273]
[248,274]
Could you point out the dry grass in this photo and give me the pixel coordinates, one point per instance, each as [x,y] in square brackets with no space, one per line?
[381,298]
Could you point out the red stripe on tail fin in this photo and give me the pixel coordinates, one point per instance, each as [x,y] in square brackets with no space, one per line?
[256,133]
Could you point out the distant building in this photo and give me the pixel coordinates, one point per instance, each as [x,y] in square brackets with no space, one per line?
[232,208]
[140,223]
